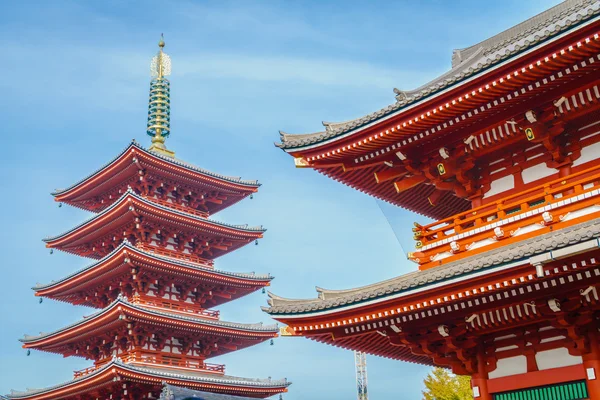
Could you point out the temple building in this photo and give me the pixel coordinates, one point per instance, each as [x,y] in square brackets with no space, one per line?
[502,152]
[152,276]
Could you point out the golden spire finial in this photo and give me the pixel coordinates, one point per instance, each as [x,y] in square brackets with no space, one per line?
[159,109]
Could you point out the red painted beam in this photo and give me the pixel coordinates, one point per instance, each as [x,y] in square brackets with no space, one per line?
[535,379]
[408,183]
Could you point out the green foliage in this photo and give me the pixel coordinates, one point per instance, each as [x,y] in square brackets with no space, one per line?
[442,385]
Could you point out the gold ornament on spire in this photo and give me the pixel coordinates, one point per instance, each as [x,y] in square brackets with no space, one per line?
[159,107]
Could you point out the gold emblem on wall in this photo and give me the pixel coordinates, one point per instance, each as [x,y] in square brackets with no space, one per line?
[441,169]
[529,134]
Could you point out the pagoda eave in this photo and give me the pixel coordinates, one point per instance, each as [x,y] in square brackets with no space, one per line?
[123,307]
[136,164]
[120,378]
[119,316]
[134,218]
[128,265]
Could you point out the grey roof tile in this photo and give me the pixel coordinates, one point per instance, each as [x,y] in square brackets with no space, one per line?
[466,63]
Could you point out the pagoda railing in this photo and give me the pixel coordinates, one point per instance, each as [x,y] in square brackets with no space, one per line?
[85,371]
[158,359]
[155,358]
[179,307]
[178,207]
[202,262]
[551,203]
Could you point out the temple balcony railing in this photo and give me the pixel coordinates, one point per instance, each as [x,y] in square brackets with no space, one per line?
[553,205]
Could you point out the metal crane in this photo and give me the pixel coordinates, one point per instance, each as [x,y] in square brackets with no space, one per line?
[360,362]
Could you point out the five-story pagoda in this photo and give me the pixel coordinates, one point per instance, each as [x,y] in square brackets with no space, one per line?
[153,275]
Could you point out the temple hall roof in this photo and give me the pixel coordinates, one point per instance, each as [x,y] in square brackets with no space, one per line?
[331,300]
[467,63]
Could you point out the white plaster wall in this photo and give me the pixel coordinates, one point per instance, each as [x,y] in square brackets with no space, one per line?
[556,358]
[500,185]
[588,153]
[537,172]
[509,366]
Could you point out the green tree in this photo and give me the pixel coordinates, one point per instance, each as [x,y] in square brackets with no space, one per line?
[442,385]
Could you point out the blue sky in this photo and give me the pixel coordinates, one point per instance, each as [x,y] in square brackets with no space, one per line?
[74,86]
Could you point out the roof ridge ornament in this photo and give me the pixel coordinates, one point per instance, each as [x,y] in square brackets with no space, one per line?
[159,106]
[401,95]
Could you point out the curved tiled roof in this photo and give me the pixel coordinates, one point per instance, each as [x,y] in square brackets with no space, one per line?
[171,160]
[467,63]
[171,260]
[131,193]
[258,327]
[330,300]
[171,392]
[192,377]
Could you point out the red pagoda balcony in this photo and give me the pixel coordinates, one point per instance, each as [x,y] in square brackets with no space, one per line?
[202,262]
[85,371]
[157,359]
[554,205]
[161,304]
[179,207]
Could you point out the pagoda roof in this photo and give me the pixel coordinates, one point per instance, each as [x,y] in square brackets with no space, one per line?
[117,368]
[111,315]
[171,392]
[136,154]
[103,268]
[331,301]
[467,64]
[126,203]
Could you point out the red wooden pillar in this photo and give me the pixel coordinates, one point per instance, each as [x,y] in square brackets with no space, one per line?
[591,363]
[564,170]
[479,380]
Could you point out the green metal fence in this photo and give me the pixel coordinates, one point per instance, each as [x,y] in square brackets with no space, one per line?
[562,391]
